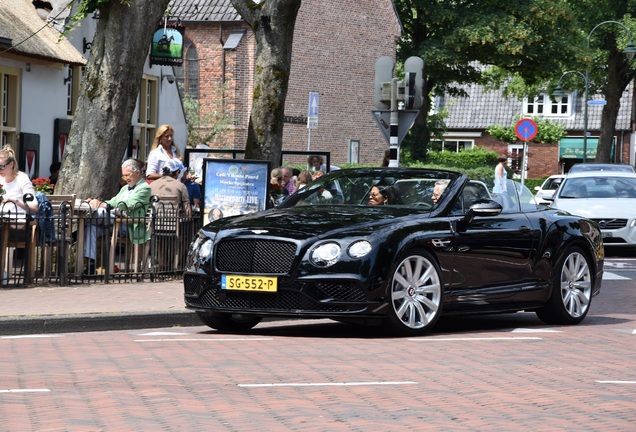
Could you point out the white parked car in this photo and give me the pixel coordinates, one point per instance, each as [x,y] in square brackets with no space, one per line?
[607,197]
[550,184]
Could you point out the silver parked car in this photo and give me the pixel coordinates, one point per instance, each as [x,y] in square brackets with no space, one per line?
[607,197]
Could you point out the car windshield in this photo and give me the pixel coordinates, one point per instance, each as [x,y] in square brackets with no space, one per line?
[600,167]
[401,187]
[599,187]
[552,183]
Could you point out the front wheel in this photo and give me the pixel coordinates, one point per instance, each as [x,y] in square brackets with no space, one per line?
[229,322]
[571,290]
[416,294]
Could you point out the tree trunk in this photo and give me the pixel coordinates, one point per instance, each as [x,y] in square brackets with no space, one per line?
[108,93]
[273,23]
[618,77]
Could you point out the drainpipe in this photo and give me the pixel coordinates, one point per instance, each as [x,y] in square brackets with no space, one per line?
[222,67]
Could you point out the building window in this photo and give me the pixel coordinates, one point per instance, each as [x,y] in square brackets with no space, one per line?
[146,125]
[544,105]
[187,77]
[515,158]
[451,145]
[9,85]
[72,81]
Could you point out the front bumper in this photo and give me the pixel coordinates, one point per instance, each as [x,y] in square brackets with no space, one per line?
[313,297]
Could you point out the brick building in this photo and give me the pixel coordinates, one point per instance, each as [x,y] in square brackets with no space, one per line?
[334,52]
[469,117]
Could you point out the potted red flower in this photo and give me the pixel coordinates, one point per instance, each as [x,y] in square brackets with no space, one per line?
[43,185]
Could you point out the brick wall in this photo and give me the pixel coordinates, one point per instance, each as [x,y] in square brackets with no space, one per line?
[334,52]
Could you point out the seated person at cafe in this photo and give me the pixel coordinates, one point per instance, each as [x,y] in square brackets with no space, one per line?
[15,184]
[132,201]
[168,184]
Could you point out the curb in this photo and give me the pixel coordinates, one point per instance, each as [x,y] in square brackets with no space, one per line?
[14,326]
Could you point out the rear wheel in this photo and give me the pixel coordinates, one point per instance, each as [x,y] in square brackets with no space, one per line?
[229,322]
[571,290]
[415,292]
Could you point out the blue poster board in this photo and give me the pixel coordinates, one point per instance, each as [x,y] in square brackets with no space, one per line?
[233,187]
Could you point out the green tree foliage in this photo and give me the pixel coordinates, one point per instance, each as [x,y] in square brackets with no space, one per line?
[610,70]
[606,26]
[531,39]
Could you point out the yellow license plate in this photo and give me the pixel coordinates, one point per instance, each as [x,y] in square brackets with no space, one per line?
[249,283]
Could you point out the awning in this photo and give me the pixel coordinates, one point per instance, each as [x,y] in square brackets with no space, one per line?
[572,148]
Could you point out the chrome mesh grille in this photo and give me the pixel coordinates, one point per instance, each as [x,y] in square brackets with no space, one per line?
[255,256]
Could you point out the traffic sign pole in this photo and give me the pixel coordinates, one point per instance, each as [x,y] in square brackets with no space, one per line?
[312,116]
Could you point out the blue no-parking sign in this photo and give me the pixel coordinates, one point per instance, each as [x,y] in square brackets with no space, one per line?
[526,129]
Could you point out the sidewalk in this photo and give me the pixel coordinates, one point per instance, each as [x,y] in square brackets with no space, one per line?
[97,307]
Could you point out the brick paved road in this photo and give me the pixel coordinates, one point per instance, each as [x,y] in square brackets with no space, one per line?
[503,373]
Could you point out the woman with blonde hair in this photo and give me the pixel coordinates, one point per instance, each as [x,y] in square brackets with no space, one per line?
[15,184]
[303,178]
[163,149]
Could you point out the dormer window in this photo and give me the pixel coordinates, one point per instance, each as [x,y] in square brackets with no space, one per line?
[544,105]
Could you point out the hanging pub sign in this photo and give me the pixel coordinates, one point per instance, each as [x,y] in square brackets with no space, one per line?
[167,45]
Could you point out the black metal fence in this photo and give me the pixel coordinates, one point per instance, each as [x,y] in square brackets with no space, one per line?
[68,243]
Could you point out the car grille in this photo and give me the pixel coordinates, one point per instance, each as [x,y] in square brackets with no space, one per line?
[255,256]
[611,224]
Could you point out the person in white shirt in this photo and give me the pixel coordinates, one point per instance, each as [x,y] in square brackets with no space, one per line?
[163,149]
[15,184]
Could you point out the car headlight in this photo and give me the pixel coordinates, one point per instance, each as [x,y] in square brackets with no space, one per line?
[325,255]
[359,249]
[205,251]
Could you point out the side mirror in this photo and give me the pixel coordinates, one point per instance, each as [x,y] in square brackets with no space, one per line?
[483,207]
[537,188]
[548,195]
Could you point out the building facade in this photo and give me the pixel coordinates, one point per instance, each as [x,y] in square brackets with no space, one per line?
[40,73]
[334,51]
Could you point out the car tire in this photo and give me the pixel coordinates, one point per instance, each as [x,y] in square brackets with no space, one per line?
[229,322]
[415,294]
[571,290]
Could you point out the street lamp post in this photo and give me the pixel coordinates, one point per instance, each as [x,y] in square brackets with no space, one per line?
[559,92]
[629,50]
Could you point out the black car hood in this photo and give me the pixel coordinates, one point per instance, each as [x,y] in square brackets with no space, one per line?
[306,221]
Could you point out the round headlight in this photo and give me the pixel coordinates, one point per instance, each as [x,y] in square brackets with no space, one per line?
[359,249]
[205,251]
[325,255]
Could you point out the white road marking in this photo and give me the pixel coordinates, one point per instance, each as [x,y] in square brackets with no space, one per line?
[24,390]
[204,340]
[32,336]
[615,382]
[430,339]
[533,330]
[163,334]
[614,276]
[371,383]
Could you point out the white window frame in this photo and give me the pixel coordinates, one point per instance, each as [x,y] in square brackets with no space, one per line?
[9,106]
[147,110]
[448,143]
[549,106]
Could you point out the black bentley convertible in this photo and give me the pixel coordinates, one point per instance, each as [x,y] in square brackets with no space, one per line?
[326,252]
